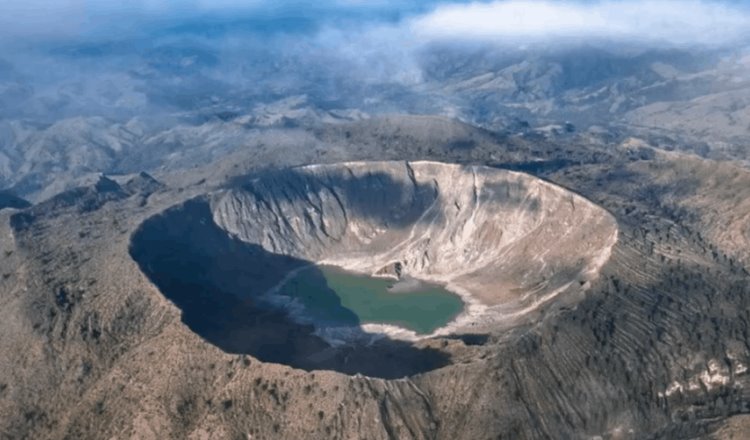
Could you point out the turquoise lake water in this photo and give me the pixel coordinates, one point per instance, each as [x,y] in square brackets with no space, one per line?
[335,296]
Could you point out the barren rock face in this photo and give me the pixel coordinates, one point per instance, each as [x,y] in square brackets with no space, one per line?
[507,242]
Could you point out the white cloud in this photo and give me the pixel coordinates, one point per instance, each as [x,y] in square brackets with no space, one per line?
[664,21]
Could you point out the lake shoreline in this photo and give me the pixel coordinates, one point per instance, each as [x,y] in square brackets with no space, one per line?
[408,284]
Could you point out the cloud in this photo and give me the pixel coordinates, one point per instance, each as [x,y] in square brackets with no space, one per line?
[661,21]
[71,57]
[653,22]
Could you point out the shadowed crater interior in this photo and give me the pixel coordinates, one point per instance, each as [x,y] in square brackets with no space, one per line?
[215,280]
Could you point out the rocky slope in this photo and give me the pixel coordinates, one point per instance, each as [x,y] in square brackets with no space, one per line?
[95,347]
[506,241]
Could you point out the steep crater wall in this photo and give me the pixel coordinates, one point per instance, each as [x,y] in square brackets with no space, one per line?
[507,242]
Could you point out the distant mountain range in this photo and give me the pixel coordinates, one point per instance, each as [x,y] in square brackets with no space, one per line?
[672,99]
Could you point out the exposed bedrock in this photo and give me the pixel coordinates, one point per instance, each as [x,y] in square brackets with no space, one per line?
[507,242]
[511,245]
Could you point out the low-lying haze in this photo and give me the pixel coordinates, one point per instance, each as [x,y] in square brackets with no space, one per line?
[62,59]
[71,71]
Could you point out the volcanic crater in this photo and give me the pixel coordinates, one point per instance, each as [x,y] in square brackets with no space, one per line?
[512,246]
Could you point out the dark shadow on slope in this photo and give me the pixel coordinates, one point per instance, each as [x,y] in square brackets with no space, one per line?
[376,195]
[536,167]
[470,339]
[216,281]
[10,200]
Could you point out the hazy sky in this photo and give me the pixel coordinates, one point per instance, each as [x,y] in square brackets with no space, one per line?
[663,22]
[84,57]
